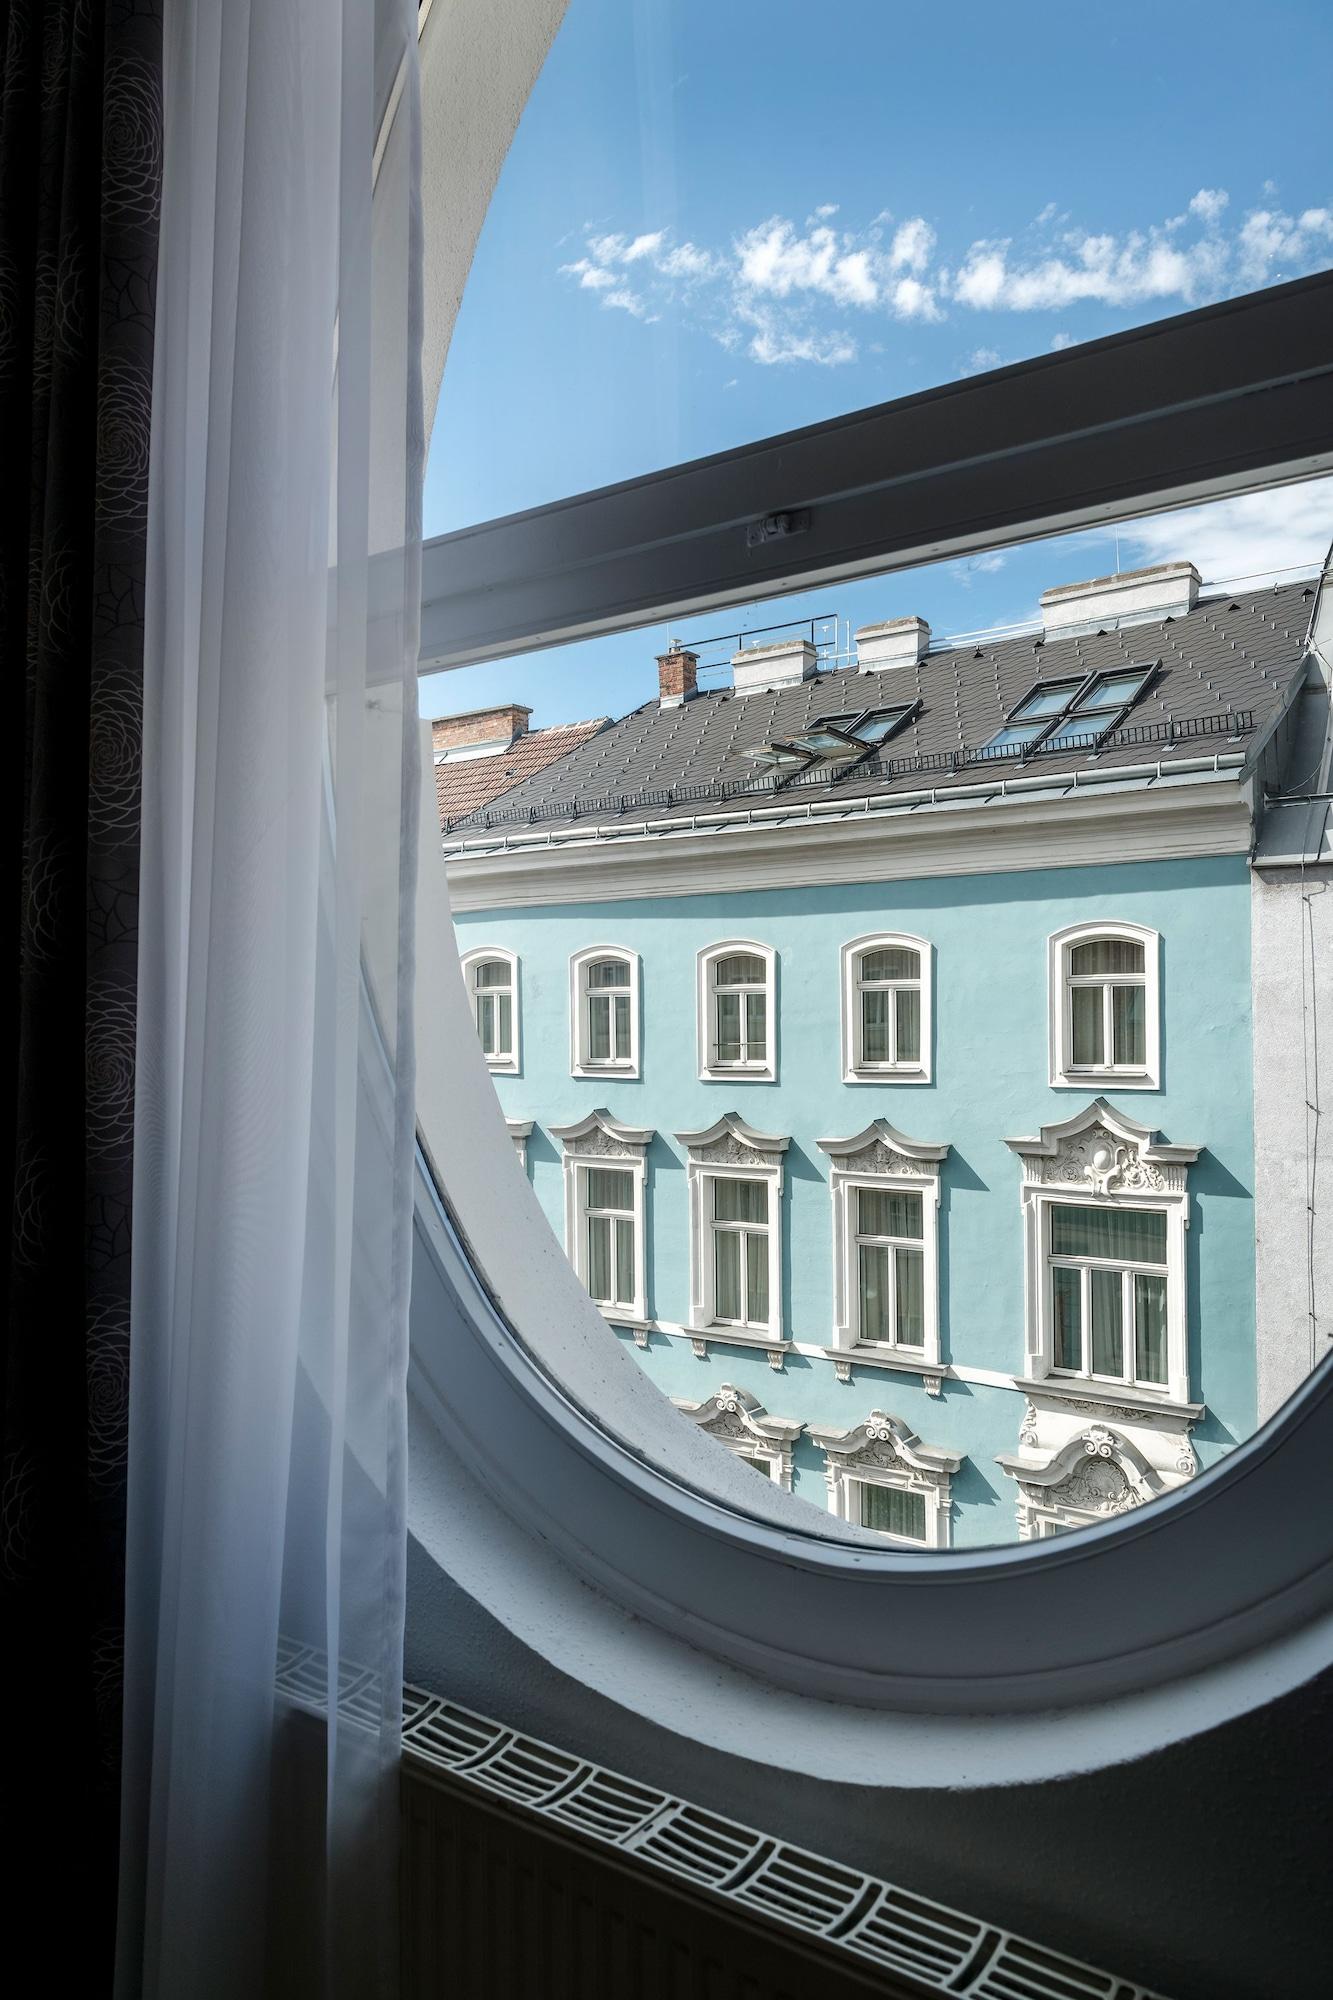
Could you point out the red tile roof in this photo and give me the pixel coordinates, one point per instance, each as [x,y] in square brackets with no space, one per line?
[464,785]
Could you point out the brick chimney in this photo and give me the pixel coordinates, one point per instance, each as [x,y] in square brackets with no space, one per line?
[479,730]
[677,676]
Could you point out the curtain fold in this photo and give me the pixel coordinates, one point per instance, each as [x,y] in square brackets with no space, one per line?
[274,1107]
[80,157]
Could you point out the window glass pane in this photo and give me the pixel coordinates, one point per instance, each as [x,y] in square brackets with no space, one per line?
[1150,1329]
[756,1027]
[727,1274]
[874,728]
[873,1281]
[1016,738]
[624,1262]
[504,1040]
[622,1027]
[741,969]
[491,972]
[1085,1008]
[760,1464]
[909,1024]
[756,1279]
[740,1201]
[610,1187]
[890,962]
[1128,1024]
[728,1027]
[599,1257]
[894,1513]
[486,1023]
[909,1267]
[599,1030]
[1046,701]
[1126,1235]
[1077,730]
[1108,1346]
[608,972]
[875,1026]
[888,1212]
[1103,955]
[1067,1288]
[1113,692]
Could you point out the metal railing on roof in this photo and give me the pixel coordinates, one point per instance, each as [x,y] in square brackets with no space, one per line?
[1232,723]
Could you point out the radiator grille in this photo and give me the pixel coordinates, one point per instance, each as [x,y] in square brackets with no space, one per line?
[871,1921]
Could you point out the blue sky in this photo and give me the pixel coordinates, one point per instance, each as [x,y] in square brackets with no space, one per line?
[719,221]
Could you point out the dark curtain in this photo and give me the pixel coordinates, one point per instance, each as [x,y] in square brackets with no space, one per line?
[80,151]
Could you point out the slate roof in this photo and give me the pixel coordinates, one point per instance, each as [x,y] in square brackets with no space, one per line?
[465,785]
[1224,670]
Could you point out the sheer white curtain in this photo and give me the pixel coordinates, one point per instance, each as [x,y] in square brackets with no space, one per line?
[275,1099]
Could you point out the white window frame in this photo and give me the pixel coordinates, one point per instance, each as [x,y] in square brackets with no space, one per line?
[853,1459]
[1101,1158]
[739,1422]
[745,1071]
[1065,1073]
[581,1062]
[855,1068]
[600,1141]
[1127,1272]
[883,1160]
[505,1065]
[733,1150]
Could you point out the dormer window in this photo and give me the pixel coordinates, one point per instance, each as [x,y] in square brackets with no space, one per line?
[1074,714]
[886,1009]
[492,983]
[604,1012]
[1104,1006]
[736,1015]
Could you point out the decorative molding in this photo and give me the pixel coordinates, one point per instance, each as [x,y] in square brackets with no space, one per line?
[599,1135]
[882,1450]
[1105,1150]
[729,1139]
[1071,1472]
[520,1131]
[739,1421]
[733,1149]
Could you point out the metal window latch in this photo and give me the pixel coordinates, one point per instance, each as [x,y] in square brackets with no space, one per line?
[776,527]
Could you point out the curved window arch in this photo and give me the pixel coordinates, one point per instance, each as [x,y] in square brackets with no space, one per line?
[604,1012]
[887,1009]
[491,975]
[738,1012]
[1105,1006]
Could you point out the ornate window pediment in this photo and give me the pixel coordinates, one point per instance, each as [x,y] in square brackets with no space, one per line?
[1098,1471]
[730,1141]
[600,1136]
[739,1421]
[883,1455]
[606,1173]
[1100,1149]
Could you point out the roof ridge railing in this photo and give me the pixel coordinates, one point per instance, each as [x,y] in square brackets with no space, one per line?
[1231,722]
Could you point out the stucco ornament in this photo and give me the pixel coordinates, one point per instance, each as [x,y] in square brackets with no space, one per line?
[729,1151]
[1098,1442]
[1098,1159]
[600,1145]
[877,1158]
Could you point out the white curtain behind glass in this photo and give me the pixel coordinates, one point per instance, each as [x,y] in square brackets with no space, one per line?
[275,1108]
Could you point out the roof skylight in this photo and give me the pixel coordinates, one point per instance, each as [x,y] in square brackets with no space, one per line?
[833,739]
[1068,714]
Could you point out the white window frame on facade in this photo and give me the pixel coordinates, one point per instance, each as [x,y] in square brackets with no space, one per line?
[1100,1158]
[601,1141]
[511,1063]
[730,1149]
[746,1070]
[1065,1074]
[855,1068]
[884,1451]
[520,1131]
[581,1060]
[740,1422]
[883,1160]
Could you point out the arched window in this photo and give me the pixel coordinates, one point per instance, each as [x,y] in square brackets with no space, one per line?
[491,973]
[737,1021]
[1104,1005]
[886,1009]
[604,1012]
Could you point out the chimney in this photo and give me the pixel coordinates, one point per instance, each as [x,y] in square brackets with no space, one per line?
[896,642]
[762,669]
[677,676]
[480,732]
[1134,597]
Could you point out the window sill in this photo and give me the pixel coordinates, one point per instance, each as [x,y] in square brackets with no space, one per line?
[865,1354]
[890,1077]
[1145,1402]
[1104,1079]
[747,1073]
[627,1072]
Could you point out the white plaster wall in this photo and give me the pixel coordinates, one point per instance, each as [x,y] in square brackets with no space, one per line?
[1292,973]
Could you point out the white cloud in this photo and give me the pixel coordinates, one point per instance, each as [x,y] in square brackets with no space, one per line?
[1208,205]
[979,360]
[1246,536]
[912,244]
[1272,245]
[1059,341]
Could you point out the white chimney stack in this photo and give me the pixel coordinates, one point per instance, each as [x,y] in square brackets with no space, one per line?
[896,642]
[1135,597]
[762,669]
